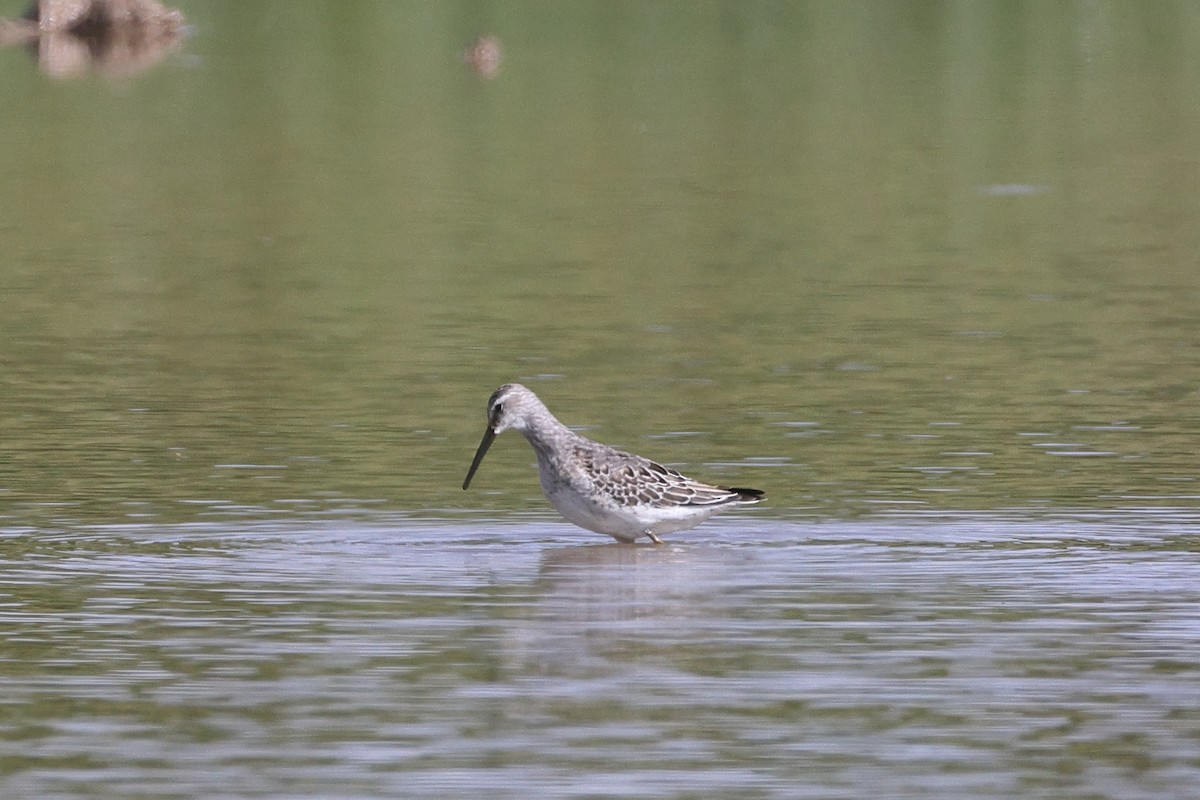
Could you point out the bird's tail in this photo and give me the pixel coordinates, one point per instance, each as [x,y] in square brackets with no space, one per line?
[748,495]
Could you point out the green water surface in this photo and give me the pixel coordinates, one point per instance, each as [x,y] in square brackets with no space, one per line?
[887,261]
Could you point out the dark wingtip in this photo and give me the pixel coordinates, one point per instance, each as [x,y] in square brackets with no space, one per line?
[749,495]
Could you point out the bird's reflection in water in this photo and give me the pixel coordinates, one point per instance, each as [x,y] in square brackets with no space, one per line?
[598,606]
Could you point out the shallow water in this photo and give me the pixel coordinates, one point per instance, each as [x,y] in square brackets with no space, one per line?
[924,273]
[982,656]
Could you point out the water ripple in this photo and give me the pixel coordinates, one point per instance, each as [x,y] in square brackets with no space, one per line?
[942,653]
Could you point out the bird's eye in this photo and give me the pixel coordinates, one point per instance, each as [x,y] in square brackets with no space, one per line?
[496,409]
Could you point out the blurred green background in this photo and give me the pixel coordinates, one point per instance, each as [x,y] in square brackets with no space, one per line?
[861,255]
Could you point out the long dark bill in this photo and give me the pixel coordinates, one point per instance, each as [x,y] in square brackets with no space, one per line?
[488,436]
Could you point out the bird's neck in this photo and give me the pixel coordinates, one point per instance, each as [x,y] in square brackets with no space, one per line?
[546,434]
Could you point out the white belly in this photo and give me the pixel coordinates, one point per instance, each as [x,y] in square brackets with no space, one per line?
[587,513]
[625,523]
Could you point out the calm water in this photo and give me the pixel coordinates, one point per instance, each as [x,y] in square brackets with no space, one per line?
[981,657]
[925,273]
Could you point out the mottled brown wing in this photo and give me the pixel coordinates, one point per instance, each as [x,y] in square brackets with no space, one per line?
[632,480]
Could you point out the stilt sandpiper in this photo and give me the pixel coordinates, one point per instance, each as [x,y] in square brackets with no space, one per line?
[599,487]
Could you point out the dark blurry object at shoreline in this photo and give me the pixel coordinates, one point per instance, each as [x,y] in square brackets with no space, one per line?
[111,37]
